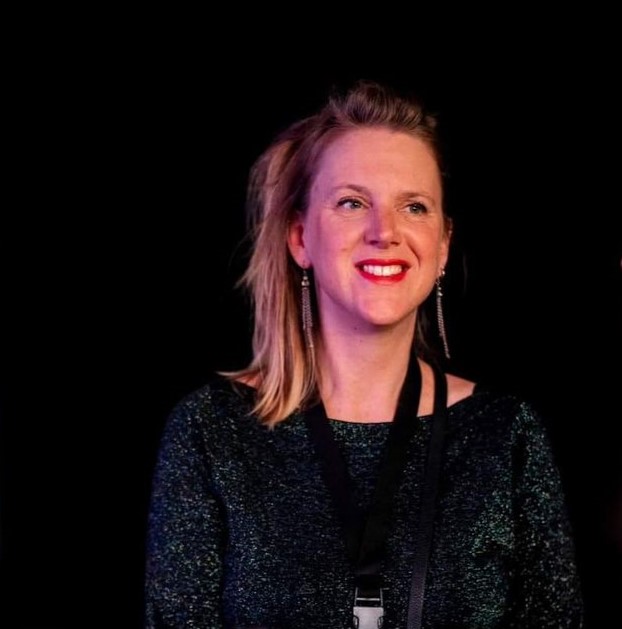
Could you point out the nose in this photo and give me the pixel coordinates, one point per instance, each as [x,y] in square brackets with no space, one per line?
[382,229]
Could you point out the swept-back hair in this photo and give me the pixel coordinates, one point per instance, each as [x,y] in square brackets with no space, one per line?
[283,368]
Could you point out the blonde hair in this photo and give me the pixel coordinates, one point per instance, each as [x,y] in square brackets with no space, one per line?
[282,368]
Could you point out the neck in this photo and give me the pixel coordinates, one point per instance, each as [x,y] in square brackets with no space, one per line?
[361,378]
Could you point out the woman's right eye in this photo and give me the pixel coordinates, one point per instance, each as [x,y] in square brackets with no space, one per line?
[350,204]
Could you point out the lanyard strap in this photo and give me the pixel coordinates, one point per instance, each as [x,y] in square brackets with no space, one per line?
[423,537]
[365,537]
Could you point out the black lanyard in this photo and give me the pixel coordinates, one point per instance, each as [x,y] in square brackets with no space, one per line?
[366,536]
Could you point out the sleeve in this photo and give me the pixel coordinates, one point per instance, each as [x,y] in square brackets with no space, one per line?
[548,586]
[185,533]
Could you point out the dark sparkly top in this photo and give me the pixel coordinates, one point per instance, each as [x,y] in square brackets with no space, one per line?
[243,533]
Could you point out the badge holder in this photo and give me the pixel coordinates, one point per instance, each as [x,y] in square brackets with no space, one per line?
[368,610]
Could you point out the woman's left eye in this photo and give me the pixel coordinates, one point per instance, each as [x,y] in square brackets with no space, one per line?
[417,208]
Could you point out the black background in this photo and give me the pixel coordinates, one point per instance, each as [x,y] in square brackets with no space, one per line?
[122,247]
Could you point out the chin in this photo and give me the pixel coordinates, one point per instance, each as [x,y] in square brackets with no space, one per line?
[386,320]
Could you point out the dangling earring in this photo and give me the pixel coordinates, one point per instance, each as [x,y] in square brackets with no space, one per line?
[439,314]
[307,316]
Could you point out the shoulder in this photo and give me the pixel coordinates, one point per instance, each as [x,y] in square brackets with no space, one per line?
[215,395]
[217,406]
[483,405]
[499,428]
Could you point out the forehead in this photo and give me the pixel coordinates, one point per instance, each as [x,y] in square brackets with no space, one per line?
[376,152]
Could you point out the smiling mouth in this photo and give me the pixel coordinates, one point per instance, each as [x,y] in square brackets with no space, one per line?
[383,270]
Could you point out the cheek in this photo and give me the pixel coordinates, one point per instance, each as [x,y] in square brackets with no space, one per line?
[427,240]
[324,242]
[311,239]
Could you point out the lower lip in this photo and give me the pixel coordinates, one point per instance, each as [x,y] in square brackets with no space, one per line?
[383,279]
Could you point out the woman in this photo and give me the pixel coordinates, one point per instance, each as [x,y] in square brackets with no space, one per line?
[342,479]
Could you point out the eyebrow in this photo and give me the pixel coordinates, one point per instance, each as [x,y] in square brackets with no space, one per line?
[350,186]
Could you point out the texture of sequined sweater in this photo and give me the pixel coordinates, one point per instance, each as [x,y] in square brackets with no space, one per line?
[243,531]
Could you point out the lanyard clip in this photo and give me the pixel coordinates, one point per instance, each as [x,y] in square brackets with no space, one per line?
[368,609]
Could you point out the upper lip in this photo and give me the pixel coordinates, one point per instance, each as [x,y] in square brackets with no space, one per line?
[383,262]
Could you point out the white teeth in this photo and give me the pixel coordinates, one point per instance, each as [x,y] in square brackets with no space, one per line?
[382,271]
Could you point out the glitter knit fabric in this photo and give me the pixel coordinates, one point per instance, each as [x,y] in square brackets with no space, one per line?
[243,533]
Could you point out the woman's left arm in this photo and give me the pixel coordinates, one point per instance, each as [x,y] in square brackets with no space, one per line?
[549,589]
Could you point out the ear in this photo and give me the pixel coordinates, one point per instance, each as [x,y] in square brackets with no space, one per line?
[445,242]
[295,241]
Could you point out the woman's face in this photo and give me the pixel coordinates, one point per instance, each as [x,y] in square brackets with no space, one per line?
[374,230]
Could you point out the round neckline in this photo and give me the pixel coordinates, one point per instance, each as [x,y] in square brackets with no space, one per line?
[476,389]
[425,417]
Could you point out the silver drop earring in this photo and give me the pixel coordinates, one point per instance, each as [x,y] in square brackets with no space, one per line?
[307,315]
[439,314]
